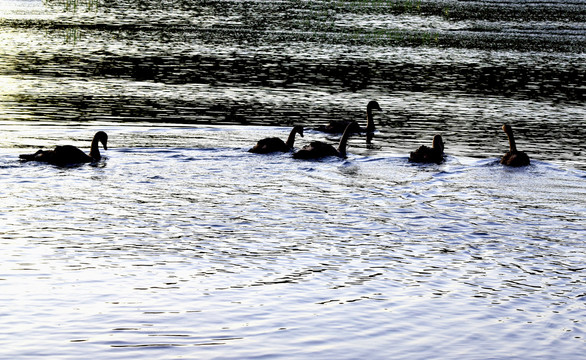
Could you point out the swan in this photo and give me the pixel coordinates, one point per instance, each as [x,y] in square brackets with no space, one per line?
[338,126]
[513,157]
[319,149]
[68,154]
[425,154]
[274,144]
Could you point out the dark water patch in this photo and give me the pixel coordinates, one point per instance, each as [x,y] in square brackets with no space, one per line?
[534,78]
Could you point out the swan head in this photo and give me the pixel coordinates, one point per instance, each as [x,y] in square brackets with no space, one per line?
[298,129]
[373,105]
[507,128]
[103,138]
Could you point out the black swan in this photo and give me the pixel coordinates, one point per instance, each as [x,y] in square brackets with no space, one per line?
[318,149]
[425,154]
[274,144]
[68,154]
[513,157]
[338,126]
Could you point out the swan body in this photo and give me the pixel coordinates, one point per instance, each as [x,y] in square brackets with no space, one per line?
[68,154]
[425,154]
[274,144]
[338,126]
[513,157]
[334,127]
[319,149]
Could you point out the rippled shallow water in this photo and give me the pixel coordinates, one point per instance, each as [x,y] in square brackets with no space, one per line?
[180,244]
[173,247]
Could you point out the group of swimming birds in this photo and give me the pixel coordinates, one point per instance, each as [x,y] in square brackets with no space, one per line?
[70,155]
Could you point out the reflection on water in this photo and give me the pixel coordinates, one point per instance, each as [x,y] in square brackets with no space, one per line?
[180,244]
[434,67]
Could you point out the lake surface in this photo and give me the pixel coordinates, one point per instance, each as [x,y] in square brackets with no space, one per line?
[179,244]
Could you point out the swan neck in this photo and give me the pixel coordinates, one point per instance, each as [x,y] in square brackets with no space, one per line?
[512,144]
[95,150]
[369,120]
[438,145]
[291,139]
[344,142]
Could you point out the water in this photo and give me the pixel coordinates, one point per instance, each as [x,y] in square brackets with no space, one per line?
[180,244]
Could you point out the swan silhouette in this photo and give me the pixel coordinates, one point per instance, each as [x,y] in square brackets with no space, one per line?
[425,154]
[68,154]
[274,144]
[319,149]
[338,126]
[513,157]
